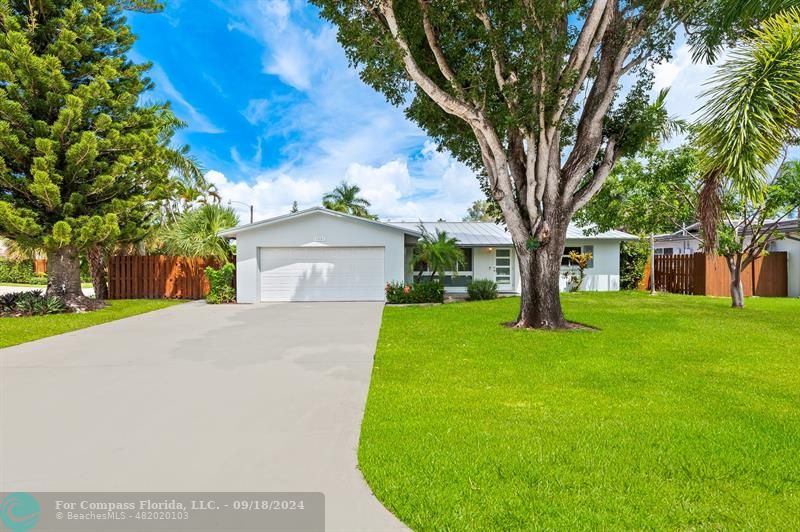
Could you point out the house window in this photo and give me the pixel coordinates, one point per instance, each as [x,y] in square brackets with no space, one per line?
[467,265]
[565,260]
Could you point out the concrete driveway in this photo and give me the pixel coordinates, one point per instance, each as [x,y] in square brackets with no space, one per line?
[198,398]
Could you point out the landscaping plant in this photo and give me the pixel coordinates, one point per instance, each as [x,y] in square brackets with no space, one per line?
[195,232]
[31,303]
[16,271]
[481,289]
[418,292]
[576,273]
[84,156]
[633,257]
[221,284]
[434,254]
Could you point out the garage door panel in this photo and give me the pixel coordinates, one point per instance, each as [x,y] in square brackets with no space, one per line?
[322,274]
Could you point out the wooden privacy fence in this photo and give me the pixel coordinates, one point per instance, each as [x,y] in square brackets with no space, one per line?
[704,275]
[39,266]
[158,277]
[675,273]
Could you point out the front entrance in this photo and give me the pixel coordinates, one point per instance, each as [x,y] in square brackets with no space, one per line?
[502,269]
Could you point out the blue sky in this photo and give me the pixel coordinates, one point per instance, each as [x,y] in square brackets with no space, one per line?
[275,114]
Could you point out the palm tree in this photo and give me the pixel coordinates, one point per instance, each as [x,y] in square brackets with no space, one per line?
[195,233]
[344,198]
[439,253]
[751,114]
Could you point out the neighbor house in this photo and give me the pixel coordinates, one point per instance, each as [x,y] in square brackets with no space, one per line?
[323,255]
[685,241]
[688,240]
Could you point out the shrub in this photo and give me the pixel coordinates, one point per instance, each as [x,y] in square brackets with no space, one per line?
[221,284]
[31,304]
[480,289]
[419,292]
[577,271]
[633,257]
[15,271]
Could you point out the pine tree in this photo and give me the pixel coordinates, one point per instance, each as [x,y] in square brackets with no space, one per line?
[82,160]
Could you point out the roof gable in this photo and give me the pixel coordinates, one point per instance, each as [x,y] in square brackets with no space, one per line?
[314,210]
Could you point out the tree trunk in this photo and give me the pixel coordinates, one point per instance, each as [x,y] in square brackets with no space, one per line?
[539,270]
[97,269]
[64,273]
[737,290]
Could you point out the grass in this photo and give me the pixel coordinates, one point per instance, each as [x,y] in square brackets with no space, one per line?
[679,413]
[15,331]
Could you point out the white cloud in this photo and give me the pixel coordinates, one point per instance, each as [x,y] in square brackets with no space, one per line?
[685,79]
[196,120]
[392,188]
[256,110]
[270,195]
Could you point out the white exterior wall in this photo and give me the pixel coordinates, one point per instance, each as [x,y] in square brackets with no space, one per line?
[792,249]
[686,246]
[603,276]
[314,229]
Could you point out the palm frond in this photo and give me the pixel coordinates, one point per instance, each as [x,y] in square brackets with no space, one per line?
[753,104]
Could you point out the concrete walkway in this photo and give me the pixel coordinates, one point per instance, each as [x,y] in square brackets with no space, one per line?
[198,398]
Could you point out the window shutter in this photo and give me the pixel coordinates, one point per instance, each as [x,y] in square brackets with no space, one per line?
[589,249]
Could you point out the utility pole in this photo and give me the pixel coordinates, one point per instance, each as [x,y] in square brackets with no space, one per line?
[246,205]
[652,264]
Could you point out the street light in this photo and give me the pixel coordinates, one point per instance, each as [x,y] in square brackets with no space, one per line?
[246,205]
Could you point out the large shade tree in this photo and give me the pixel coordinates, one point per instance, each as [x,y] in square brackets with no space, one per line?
[525,93]
[83,160]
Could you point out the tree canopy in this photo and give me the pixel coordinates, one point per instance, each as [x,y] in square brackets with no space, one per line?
[653,193]
[526,93]
[83,158]
[345,198]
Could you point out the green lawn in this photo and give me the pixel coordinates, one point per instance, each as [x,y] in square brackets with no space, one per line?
[680,413]
[15,331]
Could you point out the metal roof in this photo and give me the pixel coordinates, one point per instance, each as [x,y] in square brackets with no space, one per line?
[247,227]
[492,234]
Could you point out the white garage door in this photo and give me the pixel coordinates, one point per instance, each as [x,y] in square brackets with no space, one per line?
[322,274]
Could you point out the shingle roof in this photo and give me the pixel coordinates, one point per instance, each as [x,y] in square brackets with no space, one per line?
[492,234]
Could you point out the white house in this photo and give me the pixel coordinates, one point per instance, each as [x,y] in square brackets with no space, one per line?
[323,255]
[689,240]
[686,241]
[790,243]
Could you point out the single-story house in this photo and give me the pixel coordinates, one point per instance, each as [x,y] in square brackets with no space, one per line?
[685,241]
[323,255]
